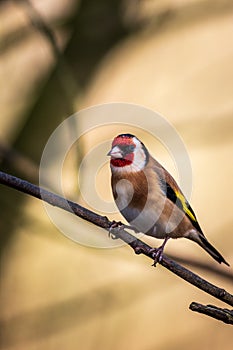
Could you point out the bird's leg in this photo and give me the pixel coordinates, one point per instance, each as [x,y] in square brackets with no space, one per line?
[158,252]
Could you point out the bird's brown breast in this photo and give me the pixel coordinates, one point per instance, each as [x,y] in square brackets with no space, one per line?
[136,184]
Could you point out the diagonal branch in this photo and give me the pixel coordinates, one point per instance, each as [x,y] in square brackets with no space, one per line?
[217,270]
[102,221]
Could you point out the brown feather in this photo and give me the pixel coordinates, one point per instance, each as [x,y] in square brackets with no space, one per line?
[139,184]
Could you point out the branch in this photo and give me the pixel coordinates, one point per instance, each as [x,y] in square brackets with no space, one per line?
[223,315]
[208,267]
[102,221]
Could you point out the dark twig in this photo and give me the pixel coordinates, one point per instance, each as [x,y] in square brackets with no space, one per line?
[223,315]
[102,221]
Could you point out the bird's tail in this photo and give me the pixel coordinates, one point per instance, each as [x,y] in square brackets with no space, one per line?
[202,241]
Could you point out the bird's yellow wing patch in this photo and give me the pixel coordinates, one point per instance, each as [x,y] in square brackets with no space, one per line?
[185,206]
[174,194]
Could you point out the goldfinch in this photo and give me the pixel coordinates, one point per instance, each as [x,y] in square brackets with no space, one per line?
[149,198]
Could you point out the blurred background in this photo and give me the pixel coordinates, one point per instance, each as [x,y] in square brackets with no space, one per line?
[57,57]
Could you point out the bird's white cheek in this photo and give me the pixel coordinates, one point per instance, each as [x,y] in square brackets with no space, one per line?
[139,160]
[125,192]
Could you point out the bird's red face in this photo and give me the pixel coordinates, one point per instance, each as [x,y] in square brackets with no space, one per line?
[128,154]
[122,152]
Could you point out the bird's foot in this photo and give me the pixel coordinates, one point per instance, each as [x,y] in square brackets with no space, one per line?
[117,226]
[157,255]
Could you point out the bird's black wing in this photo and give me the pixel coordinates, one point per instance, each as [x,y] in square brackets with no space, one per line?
[177,197]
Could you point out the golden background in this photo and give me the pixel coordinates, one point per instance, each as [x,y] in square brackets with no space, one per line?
[172,56]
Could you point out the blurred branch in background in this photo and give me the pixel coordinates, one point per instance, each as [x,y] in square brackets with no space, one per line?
[19,162]
[38,22]
[16,31]
[68,83]
[138,246]
[11,157]
[153,14]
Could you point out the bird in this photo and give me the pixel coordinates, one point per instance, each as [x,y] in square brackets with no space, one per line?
[149,198]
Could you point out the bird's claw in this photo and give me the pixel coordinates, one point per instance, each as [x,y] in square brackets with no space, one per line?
[115,227]
[157,255]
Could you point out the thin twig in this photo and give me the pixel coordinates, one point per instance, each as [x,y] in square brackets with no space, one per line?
[223,315]
[102,221]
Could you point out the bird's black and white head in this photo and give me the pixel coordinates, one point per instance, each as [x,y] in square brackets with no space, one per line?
[128,154]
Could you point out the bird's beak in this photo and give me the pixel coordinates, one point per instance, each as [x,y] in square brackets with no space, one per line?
[115,152]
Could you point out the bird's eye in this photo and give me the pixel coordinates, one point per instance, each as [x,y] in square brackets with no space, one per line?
[130,148]
[127,148]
